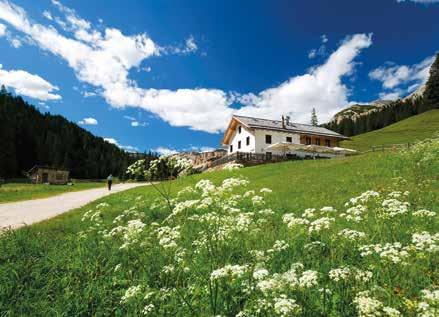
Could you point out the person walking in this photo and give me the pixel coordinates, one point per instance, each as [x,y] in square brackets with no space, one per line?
[109,181]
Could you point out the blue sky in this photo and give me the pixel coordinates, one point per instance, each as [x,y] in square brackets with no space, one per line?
[167,75]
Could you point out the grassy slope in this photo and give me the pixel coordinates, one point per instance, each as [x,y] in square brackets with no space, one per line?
[19,192]
[57,273]
[413,129]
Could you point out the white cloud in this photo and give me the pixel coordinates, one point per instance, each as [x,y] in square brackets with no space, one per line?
[105,59]
[322,88]
[2,30]
[129,118]
[16,43]
[47,15]
[164,151]
[111,140]
[321,51]
[396,94]
[189,47]
[88,121]
[138,124]
[312,53]
[135,122]
[128,148]
[394,78]
[200,149]
[28,84]
[88,94]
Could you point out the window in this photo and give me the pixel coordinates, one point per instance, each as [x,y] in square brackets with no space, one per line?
[231,148]
[317,141]
[289,139]
[239,129]
[268,156]
[307,141]
[239,145]
[247,140]
[268,139]
[59,176]
[327,142]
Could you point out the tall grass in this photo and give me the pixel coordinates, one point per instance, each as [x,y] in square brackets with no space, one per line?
[327,238]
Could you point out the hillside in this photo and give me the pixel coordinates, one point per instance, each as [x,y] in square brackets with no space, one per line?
[213,252]
[356,111]
[410,130]
[358,119]
[29,137]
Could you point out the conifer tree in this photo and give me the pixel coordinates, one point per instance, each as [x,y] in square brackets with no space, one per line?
[432,86]
[314,120]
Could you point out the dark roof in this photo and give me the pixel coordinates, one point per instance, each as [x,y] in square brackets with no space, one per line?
[291,127]
[47,167]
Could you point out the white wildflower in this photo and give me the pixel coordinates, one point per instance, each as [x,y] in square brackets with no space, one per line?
[266,190]
[425,241]
[228,271]
[320,224]
[257,200]
[429,306]
[260,274]
[131,293]
[423,213]
[367,306]
[308,279]
[351,234]
[284,306]
[148,309]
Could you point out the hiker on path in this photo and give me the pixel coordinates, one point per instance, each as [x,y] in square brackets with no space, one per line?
[109,181]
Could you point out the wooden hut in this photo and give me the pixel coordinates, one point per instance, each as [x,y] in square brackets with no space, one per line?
[48,175]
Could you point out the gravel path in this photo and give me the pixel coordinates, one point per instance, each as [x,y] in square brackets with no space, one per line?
[18,214]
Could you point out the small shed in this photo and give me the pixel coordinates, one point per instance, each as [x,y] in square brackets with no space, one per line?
[48,175]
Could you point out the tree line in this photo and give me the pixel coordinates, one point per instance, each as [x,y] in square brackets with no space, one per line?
[394,111]
[29,137]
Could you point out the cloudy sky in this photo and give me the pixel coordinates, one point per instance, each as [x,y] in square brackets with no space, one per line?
[167,75]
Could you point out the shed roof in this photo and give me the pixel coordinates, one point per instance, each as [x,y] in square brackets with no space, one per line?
[267,124]
[277,124]
[36,167]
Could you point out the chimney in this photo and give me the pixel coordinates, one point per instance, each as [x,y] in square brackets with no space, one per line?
[287,120]
[283,122]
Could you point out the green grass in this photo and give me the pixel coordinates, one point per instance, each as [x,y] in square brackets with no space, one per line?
[413,129]
[18,192]
[48,269]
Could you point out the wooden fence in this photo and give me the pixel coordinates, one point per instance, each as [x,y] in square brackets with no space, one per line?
[386,147]
[253,158]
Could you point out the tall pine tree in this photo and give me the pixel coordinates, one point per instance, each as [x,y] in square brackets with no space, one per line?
[432,86]
[314,119]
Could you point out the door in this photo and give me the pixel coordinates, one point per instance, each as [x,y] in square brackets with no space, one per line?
[45,178]
[268,156]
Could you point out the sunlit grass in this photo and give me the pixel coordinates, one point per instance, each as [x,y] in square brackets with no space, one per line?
[413,129]
[17,192]
[47,269]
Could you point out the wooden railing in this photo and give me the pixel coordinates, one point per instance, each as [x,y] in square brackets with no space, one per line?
[384,147]
[252,158]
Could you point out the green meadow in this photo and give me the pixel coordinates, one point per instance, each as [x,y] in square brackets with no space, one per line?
[410,130]
[304,238]
[11,192]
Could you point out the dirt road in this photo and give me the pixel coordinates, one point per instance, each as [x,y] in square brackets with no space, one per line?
[18,214]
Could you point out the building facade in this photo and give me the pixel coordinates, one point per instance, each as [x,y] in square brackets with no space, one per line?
[255,135]
[48,175]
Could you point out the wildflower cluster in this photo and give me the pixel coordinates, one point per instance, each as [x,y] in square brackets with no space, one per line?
[231,166]
[223,250]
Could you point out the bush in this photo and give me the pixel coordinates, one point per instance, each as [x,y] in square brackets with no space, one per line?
[169,167]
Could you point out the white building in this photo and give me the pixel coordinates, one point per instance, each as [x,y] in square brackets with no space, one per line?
[254,135]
